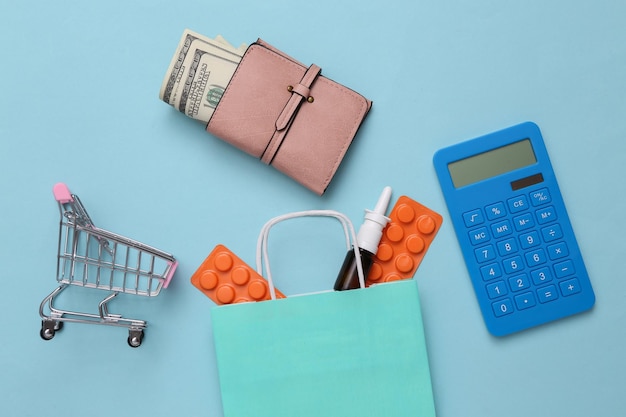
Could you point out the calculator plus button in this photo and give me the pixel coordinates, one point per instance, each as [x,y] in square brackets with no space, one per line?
[540,197]
[519,282]
[541,276]
[564,269]
[484,254]
[473,218]
[495,211]
[496,289]
[570,287]
[507,247]
[502,308]
[523,222]
[535,258]
[558,251]
[501,229]
[545,215]
[490,272]
[525,300]
[513,265]
[551,233]
[479,236]
[547,294]
[517,204]
[529,240]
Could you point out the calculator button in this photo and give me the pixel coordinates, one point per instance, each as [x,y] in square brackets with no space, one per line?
[473,218]
[540,197]
[501,229]
[558,251]
[484,254]
[570,287]
[490,272]
[495,211]
[551,233]
[479,236]
[545,215]
[547,294]
[497,289]
[502,308]
[513,265]
[536,257]
[507,247]
[529,240]
[564,269]
[525,300]
[519,282]
[523,222]
[541,276]
[517,204]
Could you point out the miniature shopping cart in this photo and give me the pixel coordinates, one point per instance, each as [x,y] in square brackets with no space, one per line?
[95,258]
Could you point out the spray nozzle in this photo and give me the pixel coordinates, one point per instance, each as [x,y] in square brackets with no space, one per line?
[375,221]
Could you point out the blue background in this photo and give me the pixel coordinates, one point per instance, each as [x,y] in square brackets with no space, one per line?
[80,105]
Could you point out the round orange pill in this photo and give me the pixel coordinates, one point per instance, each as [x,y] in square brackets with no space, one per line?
[376,272]
[405,213]
[385,252]
[395,233]
[240,275]
[223,261]
[209,280]
[225,294]
[392,277]
[415,244]
[426,224]
[257,289]
[404,263]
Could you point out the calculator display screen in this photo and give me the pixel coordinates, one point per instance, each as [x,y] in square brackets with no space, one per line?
[492,163]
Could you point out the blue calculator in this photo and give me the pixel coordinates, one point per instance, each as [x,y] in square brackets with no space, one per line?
[513,229]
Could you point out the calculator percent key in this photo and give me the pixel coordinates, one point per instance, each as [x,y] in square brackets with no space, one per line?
[226,279]
[405,240]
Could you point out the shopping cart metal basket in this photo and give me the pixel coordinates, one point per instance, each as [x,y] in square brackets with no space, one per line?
[95,258]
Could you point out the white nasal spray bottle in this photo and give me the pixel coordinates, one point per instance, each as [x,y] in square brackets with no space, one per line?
[368,239]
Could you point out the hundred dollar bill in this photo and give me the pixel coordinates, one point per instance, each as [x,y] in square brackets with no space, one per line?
[176,68]
[206,74]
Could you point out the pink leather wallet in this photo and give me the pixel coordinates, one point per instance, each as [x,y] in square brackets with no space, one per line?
[289,116]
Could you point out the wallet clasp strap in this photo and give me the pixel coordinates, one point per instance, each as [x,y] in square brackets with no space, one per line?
[299,94]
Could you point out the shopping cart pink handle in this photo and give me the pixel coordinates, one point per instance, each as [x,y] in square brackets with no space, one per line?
[62,193]
[168,278]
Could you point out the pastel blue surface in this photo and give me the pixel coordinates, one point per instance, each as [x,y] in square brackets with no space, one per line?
[80,105]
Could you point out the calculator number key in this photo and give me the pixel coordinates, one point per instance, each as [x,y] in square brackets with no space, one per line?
[529,240]
[497,289]
[484,254]
[490,272]
[502,308]
[507,247]
[536,257]
[513,264]
[519,282]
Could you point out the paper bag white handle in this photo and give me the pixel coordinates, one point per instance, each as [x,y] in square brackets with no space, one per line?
[262,257]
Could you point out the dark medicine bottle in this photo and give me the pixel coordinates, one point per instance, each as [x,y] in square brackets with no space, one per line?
[348,278]
[367,239]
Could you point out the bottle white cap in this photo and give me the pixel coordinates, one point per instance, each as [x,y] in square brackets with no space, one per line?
[375,221]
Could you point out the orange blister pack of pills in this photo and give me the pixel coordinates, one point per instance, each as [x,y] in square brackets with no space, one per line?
[226,279]
[405,240]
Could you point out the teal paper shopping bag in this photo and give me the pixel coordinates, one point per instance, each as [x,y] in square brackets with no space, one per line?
[332,354]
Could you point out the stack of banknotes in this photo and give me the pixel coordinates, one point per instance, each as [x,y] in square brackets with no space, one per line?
[199,73]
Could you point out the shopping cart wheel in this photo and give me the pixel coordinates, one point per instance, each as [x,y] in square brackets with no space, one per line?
[49,328]
[135,337]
